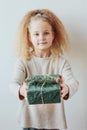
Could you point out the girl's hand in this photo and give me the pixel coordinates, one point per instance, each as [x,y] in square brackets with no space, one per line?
[64,88]
[23,91]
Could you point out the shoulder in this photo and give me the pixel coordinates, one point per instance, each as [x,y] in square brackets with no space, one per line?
[64,63]
[61,59]
[21,62]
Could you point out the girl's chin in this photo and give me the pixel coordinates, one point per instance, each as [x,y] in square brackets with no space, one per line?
[43,48]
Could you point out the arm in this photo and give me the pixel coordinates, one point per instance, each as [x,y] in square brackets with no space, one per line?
[69,84]
[17,85]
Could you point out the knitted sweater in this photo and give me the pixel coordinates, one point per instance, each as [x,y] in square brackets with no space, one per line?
[47,116]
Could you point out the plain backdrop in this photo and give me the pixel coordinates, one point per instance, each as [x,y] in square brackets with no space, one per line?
[73,14]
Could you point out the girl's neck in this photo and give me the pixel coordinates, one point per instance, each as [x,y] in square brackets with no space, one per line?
[42,54]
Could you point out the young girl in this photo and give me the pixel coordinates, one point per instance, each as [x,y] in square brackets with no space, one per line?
[42,43]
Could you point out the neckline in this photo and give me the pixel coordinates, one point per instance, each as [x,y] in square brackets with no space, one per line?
[42,58]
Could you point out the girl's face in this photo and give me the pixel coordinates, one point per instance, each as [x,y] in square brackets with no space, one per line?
[41,35]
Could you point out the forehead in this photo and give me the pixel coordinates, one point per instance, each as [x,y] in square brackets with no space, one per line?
[39,24]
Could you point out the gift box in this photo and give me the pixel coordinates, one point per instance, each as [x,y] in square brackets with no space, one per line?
[43,89]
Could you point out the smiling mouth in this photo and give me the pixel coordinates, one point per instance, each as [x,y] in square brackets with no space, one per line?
[42,43]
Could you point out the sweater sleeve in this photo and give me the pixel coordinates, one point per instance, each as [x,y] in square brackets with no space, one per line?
[19,76]
[69,78]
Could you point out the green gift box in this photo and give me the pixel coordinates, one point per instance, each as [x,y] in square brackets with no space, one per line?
[43,89]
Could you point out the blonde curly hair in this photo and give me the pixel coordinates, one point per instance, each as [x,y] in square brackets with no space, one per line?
[24,47]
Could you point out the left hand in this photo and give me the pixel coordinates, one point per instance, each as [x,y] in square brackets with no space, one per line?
[64,88]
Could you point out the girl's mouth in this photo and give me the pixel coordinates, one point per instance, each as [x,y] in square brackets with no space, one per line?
[42,43]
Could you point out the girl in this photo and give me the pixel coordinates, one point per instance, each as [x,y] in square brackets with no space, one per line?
[42,43]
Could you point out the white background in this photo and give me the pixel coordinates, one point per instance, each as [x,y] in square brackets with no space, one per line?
[73,14]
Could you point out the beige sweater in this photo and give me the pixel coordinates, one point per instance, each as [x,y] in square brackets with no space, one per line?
[48,116]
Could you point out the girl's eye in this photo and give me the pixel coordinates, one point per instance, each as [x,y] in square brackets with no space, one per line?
[46,33]
[36,34]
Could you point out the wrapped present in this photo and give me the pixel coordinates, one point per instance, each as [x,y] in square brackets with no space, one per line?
[43,89]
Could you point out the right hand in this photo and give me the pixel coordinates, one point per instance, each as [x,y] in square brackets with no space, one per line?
[23,91]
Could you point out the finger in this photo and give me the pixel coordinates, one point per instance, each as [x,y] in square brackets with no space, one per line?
[61,79]
[63,95]
[25,85]
[62,89]
[57,80]
[62,86]
[26,96]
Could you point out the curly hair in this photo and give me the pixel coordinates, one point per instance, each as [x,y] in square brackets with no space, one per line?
[25,48]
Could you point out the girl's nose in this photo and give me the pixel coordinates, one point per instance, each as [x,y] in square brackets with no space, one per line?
[41,37]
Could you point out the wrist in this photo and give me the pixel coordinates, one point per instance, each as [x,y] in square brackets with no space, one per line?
[21,97]
[67,95]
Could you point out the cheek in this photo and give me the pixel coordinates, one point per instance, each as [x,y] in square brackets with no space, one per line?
[52,38]
[31,38]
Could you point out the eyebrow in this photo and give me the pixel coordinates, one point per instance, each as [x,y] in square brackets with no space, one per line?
[44,31]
